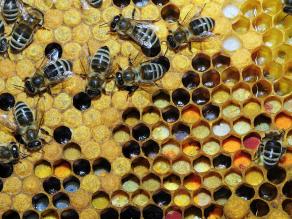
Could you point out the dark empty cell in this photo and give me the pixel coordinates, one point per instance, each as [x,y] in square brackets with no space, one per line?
[160,2]
[131,112]
[245,192]
[109,213]
[222,193]
[211,112]
[152,212]
[1,185]
[62,134]
[140,3]
[222,162]
[220,61]
[276,174]
[170,13]
[71,184]
[261,89]
[211,78]
[191,80]
[193,212]
[268,192]
[287,206]
[161,95]
[141,132]
[11,214]
[170,114]
[30,215]
[180,131]
[121,3]
[131,149]
[61,200]
[7,101]
[150,148]
[81,167]
[52,185]
[40,201]
[6,170]
[180,97]
[162,198]
[140,162]
[81,101]
[212,209]
[69,214]
[53,51]
[251,74]
[201,62]
[130,212]
[201,96]
[259,207]
[261,120]
[287,189]
[101,166]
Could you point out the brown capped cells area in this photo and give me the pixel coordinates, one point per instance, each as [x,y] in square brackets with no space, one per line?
[187,146]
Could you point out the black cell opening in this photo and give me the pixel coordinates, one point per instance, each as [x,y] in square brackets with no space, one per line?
[245,192]
[130,212]
[6,170]
[201,62]
[211,78]
[62,134]
[61,200]
[40,202]
[194,212]
[259,207]
[131,112]
[201,96]
[53,51]
[1,185]
[69,214]
[222,161]
[7,101]
[52,185]
[81,167]
[268,191]
[141,3]
[180,97]
[287,206]
[141,132]
[211,112]
[131,149]
[150,148]
[180,131]
[81,101]
[152,212]
[170,13]
[170,114]
[211,209]
[161,95]
[222,193]
[191,80]
[262,119]
[160,2]
[109,213]
[276,174]
[162,198]
[71,184]
[121,3]
[11,214]
[221,61]
[30,215]
[101,166]
[287,189]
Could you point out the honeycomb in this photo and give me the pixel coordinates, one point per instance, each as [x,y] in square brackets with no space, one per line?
[184,149]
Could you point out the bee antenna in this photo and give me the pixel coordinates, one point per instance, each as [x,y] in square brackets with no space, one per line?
[103,24]
[19,87]
[284,18]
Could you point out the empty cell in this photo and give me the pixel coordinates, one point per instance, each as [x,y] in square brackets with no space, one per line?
[276,174]
[170,114]
[210,112]
[101,166]
[141,3]
[201,62]
[7,101]
[109,213]
[69,214]
[273,71]
[201,96]
[180,131]
[130,212]
[52,185]
[81,101]
[220,61]
[283,86]
[191,80]
[259,207]
[261,88]
[262,23]
[62,134]
[152,212]
[180,97]
[141,132]
[251,9]
[50,213]
[61,200]
[162,198]
[287,206]
[268,192]
[131,149]
[222,161]
[244,191]
[262,123]
[251,73]
[40,202]
[262,55]
[160,2]
[30,215]
[150,148]
[214,210]
[71,184]
[221,195]
[287,189]
[211,78]
[272,38]
[170,13]
[6,170]
[121,3]
[193,212]
[10,214]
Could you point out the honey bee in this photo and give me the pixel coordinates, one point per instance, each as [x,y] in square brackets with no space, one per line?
[9,153]
[271,148]
[287,7]
[3,39]
[93,3]
[141,32]
[197,30]
[146,73]
[10,10]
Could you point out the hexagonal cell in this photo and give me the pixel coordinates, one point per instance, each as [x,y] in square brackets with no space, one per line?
[130,212]
[251,107]
[276,174]
[109,213]
[151,210]
[283,86]
[233,177]
[190,114]
[174,211]
[140,198]
[220,61]
[141,3]
[201,96]
[231,110]
[180,131]
[262,55]
[140,132]
[170,149]
[262,122]
[130,183]
[121,133]
[262,23]
[200,130]
[211,146]
[213,211]
[131,149]
[221,195]
[30,215]
[61,200]
[181,166]
[161,166]
[287,206]
[100,200]
[271,7]
[49,213]
[40,201]
[241,92]
[192,182]
[230,76]
[202,164]
[190,147]
[231,43]
[170,114]
[180,97]
[121,3]
[222,161]
[288,69]
[72,151]
[287,189]
[244,191]
[62,134]
[193,212]
[251,73]
[62,168]
[288,103]
[201,62]
[131,116]
[81,167]
[261,88]
[202,198]
[101,166]
[161,98]
[71,184]
[242,125]
[191,80]
[252,141]
[160,132]
[231,144]
[273,71]
[283,121]
[259,207]
[273,105]
[150,148]
[283,53]
[160,2]
[11,214]
[151,115]
[171,182]
[251,9]
[181,199]
[211,78]
[289,138]
[221,94]
[273,37]
[162,198]
[282,21]
[140,166]
[42,169]
[151,182]
[242,159]
[52,185]
[241,26]
[221,128]
[170,13]
[268,191]
[212,180]
[211,112]
[288,36]
[254,176]
[119,199]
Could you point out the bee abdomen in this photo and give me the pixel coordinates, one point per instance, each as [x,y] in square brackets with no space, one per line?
[10,11]
[23,114]
[20,38]
[101,60]
[57,68]
[152,71]
[95,3]
[2,28]
[145,36]
[202,24]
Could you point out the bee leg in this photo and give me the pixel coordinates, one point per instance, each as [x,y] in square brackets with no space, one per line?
[45,132]
[200,11]
[133,13]
[190,47]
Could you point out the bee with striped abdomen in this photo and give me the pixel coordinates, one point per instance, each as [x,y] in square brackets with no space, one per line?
[10,10]
[141,32]
[9,153]
[287,7]
[3,39]
[271,148]
[146,73]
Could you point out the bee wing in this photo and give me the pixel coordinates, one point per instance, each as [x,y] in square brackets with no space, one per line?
[61,77]
[5,121]
[144,34]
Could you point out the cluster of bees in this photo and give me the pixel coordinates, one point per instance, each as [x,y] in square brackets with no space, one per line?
[27,20]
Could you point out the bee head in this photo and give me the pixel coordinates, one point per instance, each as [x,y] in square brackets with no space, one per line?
[37,81]
[171,41]
[29,88]
[114,22]
[14,150]
[34,145]
[287,9]
[93,93]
